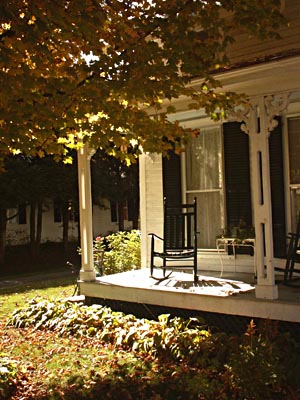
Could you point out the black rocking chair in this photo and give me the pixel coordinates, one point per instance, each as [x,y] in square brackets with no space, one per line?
[293,254]
[179,242]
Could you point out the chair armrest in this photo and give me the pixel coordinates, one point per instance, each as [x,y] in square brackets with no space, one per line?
[155,236]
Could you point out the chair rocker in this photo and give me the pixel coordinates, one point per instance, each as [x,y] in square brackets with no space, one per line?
[179,242]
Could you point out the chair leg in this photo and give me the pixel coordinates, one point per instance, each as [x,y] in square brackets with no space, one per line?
[196,278]
[152,257]
[288,264]
[151,266]
[290,260]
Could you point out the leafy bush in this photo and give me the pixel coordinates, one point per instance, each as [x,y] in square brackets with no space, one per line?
[118,252]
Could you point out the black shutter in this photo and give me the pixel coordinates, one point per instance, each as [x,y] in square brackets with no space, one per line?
[57,210]
[172,179]
[113,211]
[277,191]
[130,209]
[237,181]
[237,175]
[22,214]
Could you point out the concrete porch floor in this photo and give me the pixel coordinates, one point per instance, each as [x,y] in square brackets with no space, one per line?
[231,295]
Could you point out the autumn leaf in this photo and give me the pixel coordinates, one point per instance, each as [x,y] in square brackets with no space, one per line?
[61,61]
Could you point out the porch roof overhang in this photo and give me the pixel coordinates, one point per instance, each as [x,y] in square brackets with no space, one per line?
[254,80]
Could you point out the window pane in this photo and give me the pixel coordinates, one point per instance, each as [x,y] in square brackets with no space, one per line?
[57,210]
[203,157]
[208,218]
[295,198]
[22,214]
[294,149]
[113,212]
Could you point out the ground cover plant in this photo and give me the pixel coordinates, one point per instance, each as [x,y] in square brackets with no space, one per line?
[55,349]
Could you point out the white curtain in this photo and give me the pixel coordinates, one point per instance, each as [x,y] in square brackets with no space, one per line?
[204,161]
[294,161]
[204,180]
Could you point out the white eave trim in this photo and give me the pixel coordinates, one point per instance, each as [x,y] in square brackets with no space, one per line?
[278,76]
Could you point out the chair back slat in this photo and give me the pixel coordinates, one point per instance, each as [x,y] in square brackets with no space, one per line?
[179,241]
[179,226]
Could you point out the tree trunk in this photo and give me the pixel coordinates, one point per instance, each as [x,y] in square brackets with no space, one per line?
[39,226]
[121,216]
[135,219]
[65,219]
[3,224]
[32,230]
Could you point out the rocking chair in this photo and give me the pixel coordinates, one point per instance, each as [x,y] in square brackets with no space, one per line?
[179,243]
[293,254]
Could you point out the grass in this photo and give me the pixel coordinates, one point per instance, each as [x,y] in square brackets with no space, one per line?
[55,367]
[50,362]
[21,289]
[52,367]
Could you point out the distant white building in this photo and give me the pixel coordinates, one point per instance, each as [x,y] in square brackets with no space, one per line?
[105,221]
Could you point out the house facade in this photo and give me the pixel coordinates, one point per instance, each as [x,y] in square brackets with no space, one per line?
[244,171]
[105,221]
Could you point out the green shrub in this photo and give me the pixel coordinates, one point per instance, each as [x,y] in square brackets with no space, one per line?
[118,252]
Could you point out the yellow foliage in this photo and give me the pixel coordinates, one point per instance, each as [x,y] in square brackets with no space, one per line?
[53,97]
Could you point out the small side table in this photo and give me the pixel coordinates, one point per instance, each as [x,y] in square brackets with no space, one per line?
[224,242]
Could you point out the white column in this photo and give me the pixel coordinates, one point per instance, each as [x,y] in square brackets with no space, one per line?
[143,210]
[87,272]
[151,201]
[262,202]
[258,124]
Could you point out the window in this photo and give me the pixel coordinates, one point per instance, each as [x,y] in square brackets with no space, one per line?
[17,215]
[204,180]
[59,206]
[57,211]
[113,212]
[294,171]
[22,214]
[294,150]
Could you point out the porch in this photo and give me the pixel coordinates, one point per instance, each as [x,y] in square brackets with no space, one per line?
[219,300]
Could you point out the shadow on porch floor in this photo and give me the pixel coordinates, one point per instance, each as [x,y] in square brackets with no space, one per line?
[233,294]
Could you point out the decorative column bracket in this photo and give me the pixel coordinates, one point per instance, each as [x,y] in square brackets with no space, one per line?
[273,107]
[258,121]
